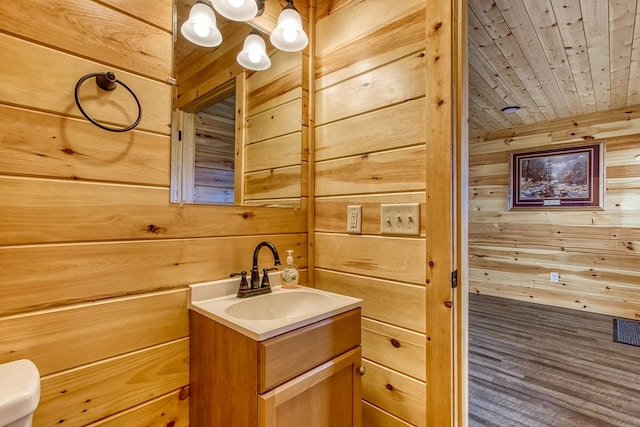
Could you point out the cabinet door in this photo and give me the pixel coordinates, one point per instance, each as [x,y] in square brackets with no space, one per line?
[326,396]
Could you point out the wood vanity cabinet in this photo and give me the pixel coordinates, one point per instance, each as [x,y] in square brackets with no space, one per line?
[307,377]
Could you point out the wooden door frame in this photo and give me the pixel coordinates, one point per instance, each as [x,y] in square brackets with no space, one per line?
[461,301]
[446,204]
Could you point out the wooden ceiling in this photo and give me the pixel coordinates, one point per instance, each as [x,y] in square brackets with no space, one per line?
[553,58]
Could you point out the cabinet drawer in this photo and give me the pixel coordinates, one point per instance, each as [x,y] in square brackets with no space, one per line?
[286,356]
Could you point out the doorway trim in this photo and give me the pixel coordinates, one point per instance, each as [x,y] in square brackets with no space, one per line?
[446,204]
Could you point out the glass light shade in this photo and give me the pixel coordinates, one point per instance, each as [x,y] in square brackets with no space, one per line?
[201,27]
[236,10]
[288,34]
[510,109]
[254,54]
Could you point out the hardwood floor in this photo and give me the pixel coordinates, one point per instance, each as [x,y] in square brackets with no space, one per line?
[533,365]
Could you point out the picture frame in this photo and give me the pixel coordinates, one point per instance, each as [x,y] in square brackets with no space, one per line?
[558,178]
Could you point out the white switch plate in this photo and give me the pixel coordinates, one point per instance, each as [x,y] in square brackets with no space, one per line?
[354,219]
[402,219]
[554,277]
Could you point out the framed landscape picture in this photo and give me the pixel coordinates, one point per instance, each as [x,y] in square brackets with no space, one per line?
[558,178]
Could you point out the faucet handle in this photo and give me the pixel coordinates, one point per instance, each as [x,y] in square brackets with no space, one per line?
[265,277]
[243,280]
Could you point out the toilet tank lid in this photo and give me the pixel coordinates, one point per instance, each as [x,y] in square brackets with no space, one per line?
[19,389]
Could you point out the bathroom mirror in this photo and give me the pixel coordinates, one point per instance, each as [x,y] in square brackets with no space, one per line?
[238,136]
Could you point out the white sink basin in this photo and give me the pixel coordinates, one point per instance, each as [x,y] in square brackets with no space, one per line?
[265,316]
[281,305]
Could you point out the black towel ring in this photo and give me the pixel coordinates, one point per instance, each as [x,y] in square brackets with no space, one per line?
[107,81]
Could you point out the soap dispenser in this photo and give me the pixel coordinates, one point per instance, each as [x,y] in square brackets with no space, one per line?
[289,275]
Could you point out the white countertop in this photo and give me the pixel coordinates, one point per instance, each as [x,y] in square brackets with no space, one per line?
[214,299]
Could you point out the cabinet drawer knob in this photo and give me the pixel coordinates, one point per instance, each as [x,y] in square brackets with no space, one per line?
[361,370]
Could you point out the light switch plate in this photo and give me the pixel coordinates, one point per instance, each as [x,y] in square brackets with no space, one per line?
[400,219]
[354,219]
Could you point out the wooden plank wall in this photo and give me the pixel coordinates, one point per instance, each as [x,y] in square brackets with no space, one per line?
[596,252]
[215,152]
[276,149]
[370,149]
[95,261]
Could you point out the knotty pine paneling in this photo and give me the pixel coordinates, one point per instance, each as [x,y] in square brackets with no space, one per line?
[281,83]
[172,407]
[387,301]
[372,90]
[618,122]
[370,141]
[278,102]
[42,276]
[395,39]
[370,132]
[159,15]
[584,293]
[95,260]
[274,153]
[595,251]
[324,8]
[273,184]
[274,122]
[388,171]
[62,211]
[273,174]
[357,21]
[48,145]
[396,348]
[560,297]
[93,30]
[113,385]
[214,151]
[394,392]
[109,328]
[393,258]
[508,39]
[53,74]
[372,415]
[577,252]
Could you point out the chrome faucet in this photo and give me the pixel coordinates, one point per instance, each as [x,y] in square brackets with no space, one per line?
[255,274]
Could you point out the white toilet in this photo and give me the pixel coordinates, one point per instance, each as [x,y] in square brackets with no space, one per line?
[19,393]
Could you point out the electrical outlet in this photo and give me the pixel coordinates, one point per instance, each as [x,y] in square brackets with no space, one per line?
[554,277]
[402,219]
[354,219]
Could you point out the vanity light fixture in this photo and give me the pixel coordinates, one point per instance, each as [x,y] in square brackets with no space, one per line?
[201,27]
[254,54]
[510,109]
[239,10]
[288,34]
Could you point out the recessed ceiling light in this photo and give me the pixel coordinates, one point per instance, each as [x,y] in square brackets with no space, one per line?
[510,109]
